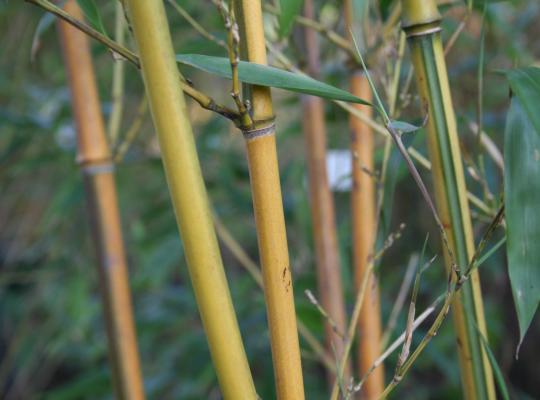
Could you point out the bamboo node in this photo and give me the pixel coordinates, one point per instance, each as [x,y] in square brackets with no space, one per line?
[97,169]
[250,134]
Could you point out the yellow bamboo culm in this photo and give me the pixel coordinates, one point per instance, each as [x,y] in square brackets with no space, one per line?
[94,158]
[269,217]
[327,260]
[364,227]
[189,197]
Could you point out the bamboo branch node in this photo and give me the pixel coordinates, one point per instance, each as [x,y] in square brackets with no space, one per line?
[97,169]
[250,134]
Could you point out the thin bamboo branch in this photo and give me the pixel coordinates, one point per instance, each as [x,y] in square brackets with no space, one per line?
[198,27]
[202,99]
[312,24]
[453,290]
[269,216]
[95,161]
[473,199]
[233,49]
[358,304]
[393,347]
[370,121]
[132,132]
[117,93]
[322,204]
[189,197]
[400,300]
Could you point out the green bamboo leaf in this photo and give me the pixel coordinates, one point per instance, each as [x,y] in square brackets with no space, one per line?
[263,75]
[385,7]
[403,127]
[499,377]
[522,197]
[91,14]
[525,83]
[289,10]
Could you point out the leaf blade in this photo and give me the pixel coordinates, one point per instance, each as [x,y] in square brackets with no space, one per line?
[525,83]
[289,10]
[403,126]
[91,14]
[499,377]
[263,75]
[522,197]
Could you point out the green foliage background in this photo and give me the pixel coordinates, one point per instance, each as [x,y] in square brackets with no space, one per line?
[52,341]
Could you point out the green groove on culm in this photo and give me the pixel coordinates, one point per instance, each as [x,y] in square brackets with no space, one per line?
[439,117]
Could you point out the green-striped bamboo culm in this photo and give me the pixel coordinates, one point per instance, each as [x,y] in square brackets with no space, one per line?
[421,22]
[189,197]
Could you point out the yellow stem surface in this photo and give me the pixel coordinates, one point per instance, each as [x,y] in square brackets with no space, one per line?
[269,217]
[189,197]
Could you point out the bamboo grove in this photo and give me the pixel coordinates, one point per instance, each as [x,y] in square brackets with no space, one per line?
[348,278]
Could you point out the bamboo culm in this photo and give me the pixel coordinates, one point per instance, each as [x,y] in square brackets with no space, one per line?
[322,205]
[364,228]
[95,161]
[363,234]
[421,21]
[269,216]
[189,197]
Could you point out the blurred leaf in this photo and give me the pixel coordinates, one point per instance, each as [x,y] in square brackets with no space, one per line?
[44,23]
[403,127]
[263,75]
[395,171]
[499,378]
[360,9]
[384,7]
[92,384]
[91,14]
[522,197]
[289,10]
[525,83]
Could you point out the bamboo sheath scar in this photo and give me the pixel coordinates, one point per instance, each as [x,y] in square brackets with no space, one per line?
[322,205]
[269,217]
[95,160]
[421,22]
[189,197]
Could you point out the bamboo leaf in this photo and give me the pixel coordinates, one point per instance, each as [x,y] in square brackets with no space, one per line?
[263,75]
[289,10]
[43,25]
[91,14]
[385,6]
[522,197]
[403,127]
[525,83]
[499,377]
